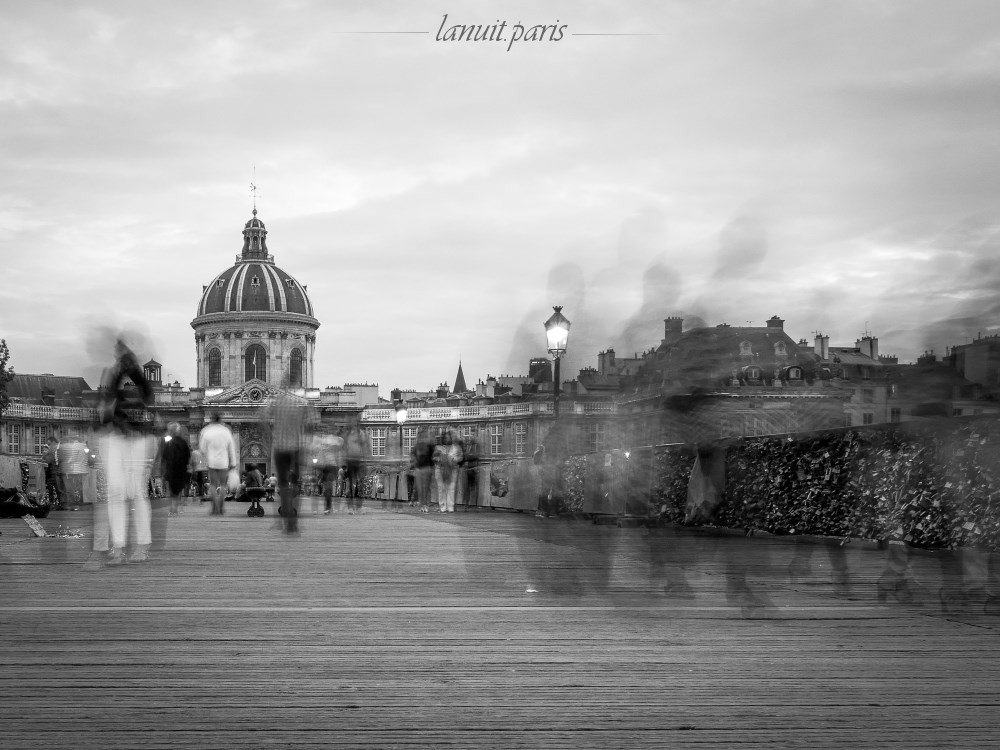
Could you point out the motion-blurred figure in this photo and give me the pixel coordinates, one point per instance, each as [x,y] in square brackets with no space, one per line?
[471,467]
[354,448]
[217,445]
[546,478]
[422,458]
[328,449]
[290,420]
[73,465]
[126,451]
[199,473]
[447,457]
[176,458]
[51,460]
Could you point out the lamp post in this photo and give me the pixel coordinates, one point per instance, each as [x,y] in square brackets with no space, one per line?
[400,420]
[557,336]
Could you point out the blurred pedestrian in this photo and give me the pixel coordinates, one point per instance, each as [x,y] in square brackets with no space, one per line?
[218,447]
[73,465]
[176,460]
[422,458]
[447,457]
[126,451]
[199,472]
[328,449]
[290,420]
[354,448]
[471,468]
[51,460]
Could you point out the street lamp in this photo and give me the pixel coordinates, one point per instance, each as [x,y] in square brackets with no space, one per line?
[400,420]
[557,335]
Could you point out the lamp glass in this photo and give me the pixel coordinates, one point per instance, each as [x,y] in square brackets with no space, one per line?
[557,332]
[400,414]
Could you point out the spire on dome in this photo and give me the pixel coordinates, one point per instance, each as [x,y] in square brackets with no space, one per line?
[460,386]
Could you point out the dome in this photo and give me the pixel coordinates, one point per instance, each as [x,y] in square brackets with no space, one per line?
[255,284]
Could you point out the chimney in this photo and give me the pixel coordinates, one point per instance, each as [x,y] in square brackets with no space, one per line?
[540,369]
[442,391]
[822,346]
[868,346]
[776,322]
[672,330]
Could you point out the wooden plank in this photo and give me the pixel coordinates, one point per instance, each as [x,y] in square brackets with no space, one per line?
[399,629]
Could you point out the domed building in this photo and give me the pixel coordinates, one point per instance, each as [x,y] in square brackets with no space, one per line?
[255,324]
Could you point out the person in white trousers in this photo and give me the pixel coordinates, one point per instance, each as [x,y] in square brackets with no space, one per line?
[125,451]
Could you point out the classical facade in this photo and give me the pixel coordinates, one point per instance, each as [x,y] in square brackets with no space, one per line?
[255,322]
[255,337]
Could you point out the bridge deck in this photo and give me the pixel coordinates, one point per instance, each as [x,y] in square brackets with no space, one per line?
[480,629]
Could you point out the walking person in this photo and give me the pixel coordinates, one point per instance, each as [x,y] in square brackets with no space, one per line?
[176,458]
[199,473]
[354,448]
[422,458]
[218,447]
[328,449]
[290,419]
[447,457]
[73,464]
[125,448]
[51,459]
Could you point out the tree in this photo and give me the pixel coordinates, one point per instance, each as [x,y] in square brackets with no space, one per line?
[6,375]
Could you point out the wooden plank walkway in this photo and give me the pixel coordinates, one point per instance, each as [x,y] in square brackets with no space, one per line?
[479,630]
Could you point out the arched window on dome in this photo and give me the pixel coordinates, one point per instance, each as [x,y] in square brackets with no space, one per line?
[214,368]
[255,362]
[295,368]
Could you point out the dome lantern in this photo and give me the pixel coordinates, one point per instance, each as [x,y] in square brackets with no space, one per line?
[255,239]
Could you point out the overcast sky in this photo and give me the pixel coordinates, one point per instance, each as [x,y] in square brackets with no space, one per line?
[833,163]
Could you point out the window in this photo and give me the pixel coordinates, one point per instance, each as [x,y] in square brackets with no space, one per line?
[254,281]
[751,373]
[595,437]
[520,435]
[220,283]
[409,439]
[468,433]
[255,362]
[291,284]
[779,348]
[377,436]
[867,418]
[41,438]
[14,437]
[214,368]
[895,415]
[295,368]
[868,395]
[496,439]
[848,421]
[795,373]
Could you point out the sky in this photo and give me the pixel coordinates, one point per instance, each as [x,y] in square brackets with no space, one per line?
[834,164]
